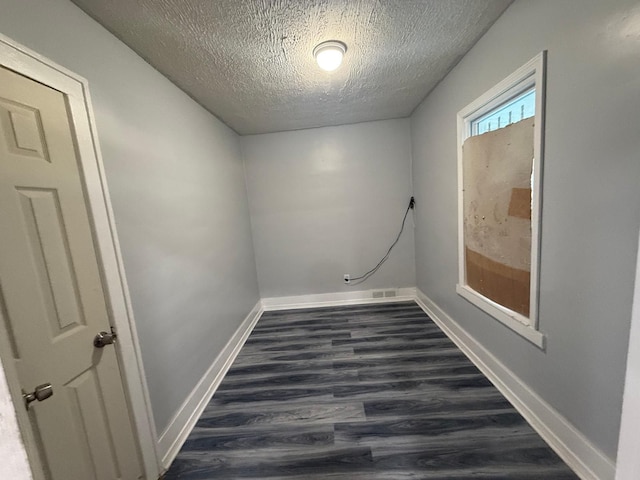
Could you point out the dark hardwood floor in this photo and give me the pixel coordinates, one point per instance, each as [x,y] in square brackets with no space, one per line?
[360,392]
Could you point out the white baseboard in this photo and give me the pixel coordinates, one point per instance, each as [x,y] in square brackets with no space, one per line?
[174,436]
[587,461]
[336,299]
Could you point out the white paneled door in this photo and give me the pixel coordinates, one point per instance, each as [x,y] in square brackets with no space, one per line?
[52,301]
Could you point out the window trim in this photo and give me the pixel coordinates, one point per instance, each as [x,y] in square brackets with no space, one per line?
[532,74]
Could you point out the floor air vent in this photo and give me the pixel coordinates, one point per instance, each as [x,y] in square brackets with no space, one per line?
[384,293]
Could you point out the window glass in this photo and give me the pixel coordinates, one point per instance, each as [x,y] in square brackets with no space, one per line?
[519,108]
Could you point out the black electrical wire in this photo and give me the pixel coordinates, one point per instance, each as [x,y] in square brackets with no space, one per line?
[365,276]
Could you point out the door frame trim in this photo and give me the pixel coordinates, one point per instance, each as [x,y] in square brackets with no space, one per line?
[76,88]
[628,463]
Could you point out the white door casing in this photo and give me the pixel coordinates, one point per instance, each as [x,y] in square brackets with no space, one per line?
[628,460]
[76,297]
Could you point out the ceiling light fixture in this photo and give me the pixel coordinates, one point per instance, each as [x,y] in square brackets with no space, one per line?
[329,54]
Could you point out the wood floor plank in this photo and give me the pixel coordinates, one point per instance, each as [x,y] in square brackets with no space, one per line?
[280,413]
[375,392]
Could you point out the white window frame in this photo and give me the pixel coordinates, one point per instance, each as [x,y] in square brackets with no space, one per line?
[532,74]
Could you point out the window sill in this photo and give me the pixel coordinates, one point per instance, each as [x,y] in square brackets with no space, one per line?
[513,320]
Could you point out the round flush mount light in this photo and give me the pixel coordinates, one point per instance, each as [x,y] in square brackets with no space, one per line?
[329,54]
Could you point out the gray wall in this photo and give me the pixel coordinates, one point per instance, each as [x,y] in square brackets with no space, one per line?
[176,180]
[330,201]
[590,205]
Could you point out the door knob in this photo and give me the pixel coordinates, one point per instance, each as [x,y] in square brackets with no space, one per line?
[104,338]
[41,393]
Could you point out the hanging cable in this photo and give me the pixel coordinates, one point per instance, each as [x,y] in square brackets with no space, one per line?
[362,278]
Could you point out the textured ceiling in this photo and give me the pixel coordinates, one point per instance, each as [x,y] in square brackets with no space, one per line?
[250,62]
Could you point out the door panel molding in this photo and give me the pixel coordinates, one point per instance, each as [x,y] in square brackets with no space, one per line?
[30,64]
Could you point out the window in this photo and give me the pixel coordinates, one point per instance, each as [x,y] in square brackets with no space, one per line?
[499,184]
[515,110]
